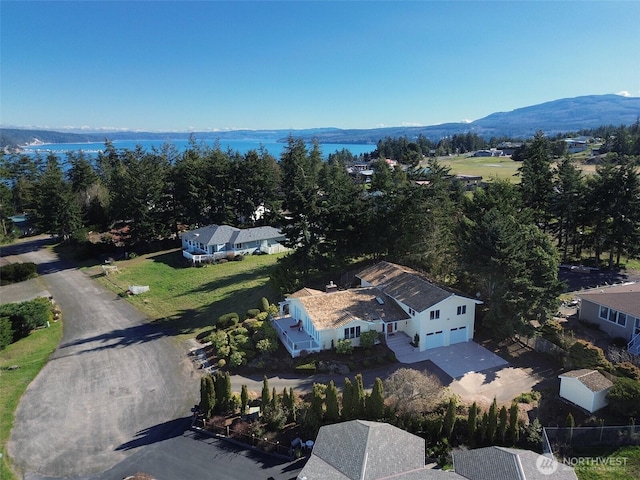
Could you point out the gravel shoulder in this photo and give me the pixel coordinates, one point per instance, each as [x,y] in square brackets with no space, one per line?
[114,384]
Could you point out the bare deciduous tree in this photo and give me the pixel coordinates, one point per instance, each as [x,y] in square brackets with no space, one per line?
[409,390]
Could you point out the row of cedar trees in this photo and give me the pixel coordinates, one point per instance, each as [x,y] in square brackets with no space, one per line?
[326,406]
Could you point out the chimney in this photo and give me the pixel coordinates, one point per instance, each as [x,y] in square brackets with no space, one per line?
[332,287]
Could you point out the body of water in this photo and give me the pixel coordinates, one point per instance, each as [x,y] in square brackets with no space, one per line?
[242,146]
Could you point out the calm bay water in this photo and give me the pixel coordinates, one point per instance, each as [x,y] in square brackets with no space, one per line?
[242,146]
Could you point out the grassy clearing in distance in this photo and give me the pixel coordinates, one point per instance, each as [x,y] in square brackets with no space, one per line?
[624,465]
[190,299]
[30,354]
[486,167]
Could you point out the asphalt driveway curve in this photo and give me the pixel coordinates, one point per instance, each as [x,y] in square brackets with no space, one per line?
[115,383]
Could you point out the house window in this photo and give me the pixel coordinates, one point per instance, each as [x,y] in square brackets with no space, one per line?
[462,309]
[604,313]
[238,245]
[412,312]
[353,332]
[434,314]
[637,329]
[622,319]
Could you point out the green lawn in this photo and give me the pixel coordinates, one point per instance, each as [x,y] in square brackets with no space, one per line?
[610,464]
[487,167]
[29,354]
[190,299]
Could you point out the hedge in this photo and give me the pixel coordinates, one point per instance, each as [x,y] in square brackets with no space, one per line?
[17,272]
[227,320]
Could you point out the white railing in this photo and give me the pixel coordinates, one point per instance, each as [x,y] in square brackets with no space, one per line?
[295,347]
[634,345]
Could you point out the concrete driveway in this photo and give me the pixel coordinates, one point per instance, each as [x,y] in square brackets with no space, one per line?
[115,384]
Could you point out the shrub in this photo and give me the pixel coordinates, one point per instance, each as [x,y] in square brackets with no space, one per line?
[6,332]
[222,363]
[227,320]
[251,324]
[224,351]
[583,354]
[624,397]
[307,368]
[238,258]
[629,370]
[262,316]
[242,341]
[368,339]
[552,331]
[344,346]
[219,339]
[17,272]
[265,346]
[253,312]
[239,332]
[236,358]
[27,316]
[264,304]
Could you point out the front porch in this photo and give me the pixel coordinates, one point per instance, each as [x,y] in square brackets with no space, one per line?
[293,337]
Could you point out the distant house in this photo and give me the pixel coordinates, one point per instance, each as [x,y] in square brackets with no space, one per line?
[586,388]
[223,241]
[616,311]
[392,300]
[470,182]
[488,153]
[363,450]
[575,145]
[507,148]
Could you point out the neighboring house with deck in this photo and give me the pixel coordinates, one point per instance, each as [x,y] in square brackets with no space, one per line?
[585,388]
[616,311]
[215,242]
[392,300]
[363,450]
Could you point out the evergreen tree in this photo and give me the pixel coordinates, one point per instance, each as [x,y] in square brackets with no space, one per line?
[317,401]
[227,391]
[503,424]
[536,179]
[492,422]
[514,427]
[472,423]
[266,395]
[207,396]
[449,419]
[375,401]
[244,399]
[347,400]
[566,203]
[359,397]
[331,401]
[274,398]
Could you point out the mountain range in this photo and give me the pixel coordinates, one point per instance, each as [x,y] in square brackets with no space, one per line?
[557,116]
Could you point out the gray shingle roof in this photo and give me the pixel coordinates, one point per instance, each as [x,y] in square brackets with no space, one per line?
[501,463]
[623,298]
[363,450]
[220,234]
[592,379]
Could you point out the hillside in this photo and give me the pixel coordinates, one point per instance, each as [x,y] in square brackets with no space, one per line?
[558,116]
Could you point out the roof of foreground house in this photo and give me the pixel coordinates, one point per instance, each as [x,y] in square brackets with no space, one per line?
[592,379]
[501,463]
[361,450]
[331,310]
[405,285]
[624,298]
[220,234]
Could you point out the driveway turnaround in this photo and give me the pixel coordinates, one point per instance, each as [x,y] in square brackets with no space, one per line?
[115,384]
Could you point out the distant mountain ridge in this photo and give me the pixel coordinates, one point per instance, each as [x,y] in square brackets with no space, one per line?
[557,116]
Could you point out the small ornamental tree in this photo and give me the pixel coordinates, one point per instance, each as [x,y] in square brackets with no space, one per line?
[368,339]
[449,419]
[207,395]
[624,397]
[514,427]
[344,346]
[492,426]
[503,424]
[331,401]
[347,400]
[266,394]
[472,423]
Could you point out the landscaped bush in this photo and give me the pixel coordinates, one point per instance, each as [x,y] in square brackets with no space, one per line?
[264,304]
[239,332]
[583,354]
[219,339]
[368,339]
[17,272]
[251,324]
[629,370]
[307,367]
[227,320]
[624,397]
[236,358]
[344,346]
[253,312]
[27,316]
[6,332]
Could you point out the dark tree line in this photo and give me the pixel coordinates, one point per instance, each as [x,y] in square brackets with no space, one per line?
[503,242]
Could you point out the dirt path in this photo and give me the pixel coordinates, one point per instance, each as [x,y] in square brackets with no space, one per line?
[115,383]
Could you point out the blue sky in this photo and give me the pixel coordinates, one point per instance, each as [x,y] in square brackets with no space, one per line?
[203,65]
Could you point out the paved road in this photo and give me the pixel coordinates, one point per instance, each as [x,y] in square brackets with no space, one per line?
[115,383]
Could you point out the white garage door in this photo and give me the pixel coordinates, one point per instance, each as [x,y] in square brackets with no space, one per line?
[457,335]
[435,339]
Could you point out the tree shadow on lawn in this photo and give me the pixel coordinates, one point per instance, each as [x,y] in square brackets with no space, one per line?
[237,300]
[172,258]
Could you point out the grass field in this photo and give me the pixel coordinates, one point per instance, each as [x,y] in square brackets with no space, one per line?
[29,354]
[190,299]
[610,464]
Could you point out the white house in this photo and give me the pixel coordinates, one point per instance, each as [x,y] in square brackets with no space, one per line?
[438,315]
[391,300]
[585,388]
[223,241]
